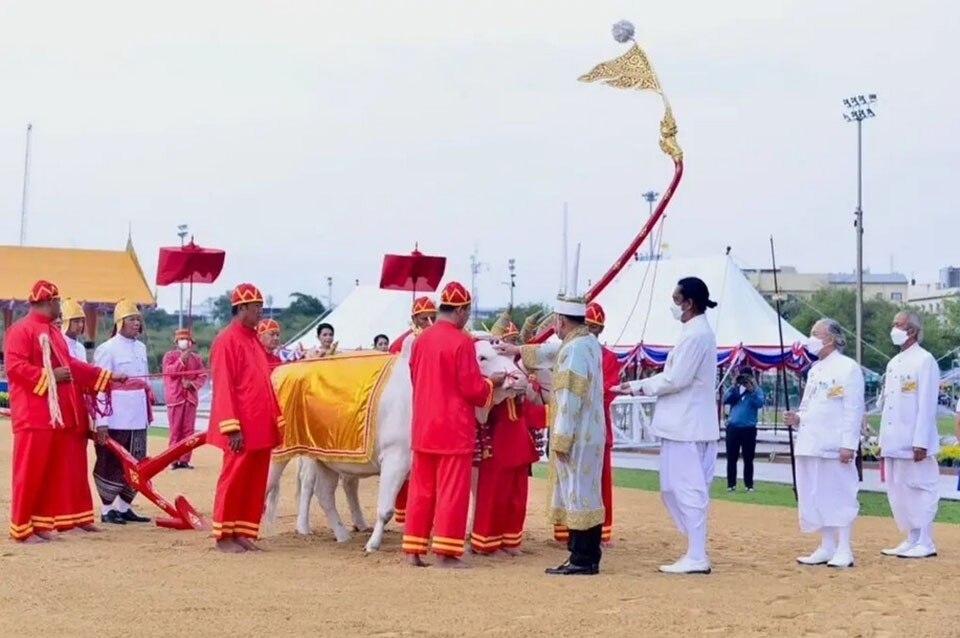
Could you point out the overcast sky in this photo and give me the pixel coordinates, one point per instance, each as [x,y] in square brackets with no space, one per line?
[308,138]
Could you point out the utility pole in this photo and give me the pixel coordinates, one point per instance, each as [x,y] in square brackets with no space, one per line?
[182,231]
[512,269]
[26,188]
[651,197]
[475,267]
[858,109]
[329,293]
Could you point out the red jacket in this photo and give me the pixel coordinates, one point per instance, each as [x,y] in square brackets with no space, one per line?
[447,386]
[611,377]
[243,397]
[29,385]
[512,444]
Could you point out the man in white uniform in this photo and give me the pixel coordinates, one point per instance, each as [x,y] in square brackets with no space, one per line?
[74,321]
[828,422]
[685,419]
[909,439]
[123,353]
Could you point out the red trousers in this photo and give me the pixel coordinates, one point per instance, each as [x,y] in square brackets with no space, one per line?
[400,505]
[241,488]
[439,498]
[45,494]
[501,507]
[562,534]
[183,421]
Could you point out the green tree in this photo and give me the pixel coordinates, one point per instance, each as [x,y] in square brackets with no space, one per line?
[222,308]
[304,305]
[840,304]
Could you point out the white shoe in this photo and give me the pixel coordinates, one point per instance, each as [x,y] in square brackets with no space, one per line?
[899,549]
[918,551]
[842,559]
[687,566]
[818,557]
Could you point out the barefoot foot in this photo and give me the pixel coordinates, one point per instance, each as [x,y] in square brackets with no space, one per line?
[414,560]
[248,544]
[228,546]
[47,536]
[91,528]
[511,551]
[33,539]
[449,562]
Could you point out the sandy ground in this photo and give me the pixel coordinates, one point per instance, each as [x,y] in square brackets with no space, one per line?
[147,581]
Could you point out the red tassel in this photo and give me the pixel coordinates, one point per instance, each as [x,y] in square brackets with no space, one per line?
[97,407]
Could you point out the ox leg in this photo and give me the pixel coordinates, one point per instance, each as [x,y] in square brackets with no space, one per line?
[392,475]
[351,488]
[306,480]
[324,486]
[273,496]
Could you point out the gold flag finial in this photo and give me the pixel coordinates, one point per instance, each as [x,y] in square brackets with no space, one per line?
[633,70]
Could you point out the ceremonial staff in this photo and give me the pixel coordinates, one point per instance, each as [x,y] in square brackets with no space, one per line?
[783,368]
[632,70]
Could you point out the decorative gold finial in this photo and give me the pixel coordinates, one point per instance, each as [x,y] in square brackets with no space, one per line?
[633,70]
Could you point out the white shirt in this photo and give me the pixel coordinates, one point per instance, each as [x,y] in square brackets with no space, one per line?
[686,407]
[911,390]
[831,410]
[77,351]
[127,356]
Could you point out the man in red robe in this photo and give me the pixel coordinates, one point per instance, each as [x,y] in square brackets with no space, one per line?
[245,423]
[502,483]
[183,376]
[47,410]
[447,386]
[422,315]
[268,331]
[595,320]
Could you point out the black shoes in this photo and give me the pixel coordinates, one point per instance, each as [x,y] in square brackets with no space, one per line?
[132,517]
[567,569]
[113,517]
[181,466]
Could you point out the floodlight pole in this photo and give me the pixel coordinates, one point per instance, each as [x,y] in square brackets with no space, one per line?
[859,109]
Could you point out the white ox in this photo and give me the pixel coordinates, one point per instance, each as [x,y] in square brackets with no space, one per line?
[391,456]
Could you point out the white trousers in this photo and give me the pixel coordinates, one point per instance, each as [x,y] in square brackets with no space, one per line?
[913,490]
[686,471]
[826,493]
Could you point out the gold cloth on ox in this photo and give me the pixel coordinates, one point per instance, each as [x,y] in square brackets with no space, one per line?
[330,406]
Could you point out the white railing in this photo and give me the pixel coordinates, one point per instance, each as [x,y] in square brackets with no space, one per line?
[631,417]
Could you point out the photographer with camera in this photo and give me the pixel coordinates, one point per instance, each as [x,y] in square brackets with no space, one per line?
[745,399]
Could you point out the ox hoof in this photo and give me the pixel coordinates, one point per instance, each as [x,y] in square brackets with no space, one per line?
[371,549]
[365,529]
[304,531]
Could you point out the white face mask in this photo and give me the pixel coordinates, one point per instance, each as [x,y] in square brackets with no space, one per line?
[183,344]
[898,336]
[814,345]
[677,312]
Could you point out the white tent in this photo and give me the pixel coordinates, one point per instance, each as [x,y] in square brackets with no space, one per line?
[637,303]
[366,312]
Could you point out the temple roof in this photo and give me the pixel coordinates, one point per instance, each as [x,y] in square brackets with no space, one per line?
[90,276]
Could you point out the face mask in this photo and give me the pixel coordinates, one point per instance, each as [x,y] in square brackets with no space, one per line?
[183,344]
[676,311]
[814,345]
[898,336]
